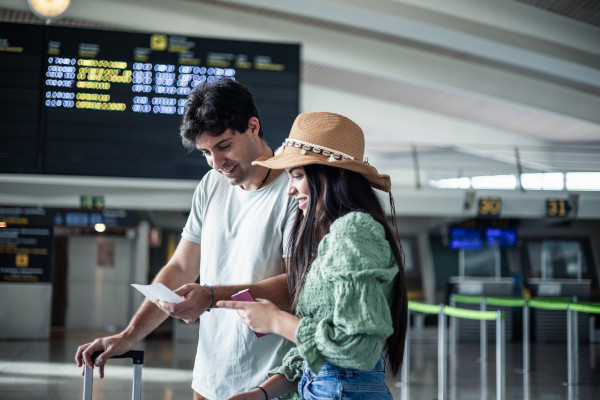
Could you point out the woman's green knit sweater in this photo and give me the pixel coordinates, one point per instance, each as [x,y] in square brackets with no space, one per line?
[344,304]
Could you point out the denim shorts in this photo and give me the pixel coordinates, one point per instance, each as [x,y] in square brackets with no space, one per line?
[337,383]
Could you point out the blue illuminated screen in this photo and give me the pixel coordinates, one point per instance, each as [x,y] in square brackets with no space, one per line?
[503,237]
[465,238]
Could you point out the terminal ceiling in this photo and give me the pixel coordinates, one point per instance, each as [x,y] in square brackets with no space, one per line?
[461,84]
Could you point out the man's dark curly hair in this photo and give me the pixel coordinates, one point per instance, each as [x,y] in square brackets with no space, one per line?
[212,108]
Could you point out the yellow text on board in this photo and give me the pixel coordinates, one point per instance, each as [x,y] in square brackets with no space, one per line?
[489,206]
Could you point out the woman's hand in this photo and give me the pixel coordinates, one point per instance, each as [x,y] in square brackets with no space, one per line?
[260,315]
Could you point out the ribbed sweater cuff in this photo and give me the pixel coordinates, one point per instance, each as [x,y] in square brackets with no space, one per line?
[307,344]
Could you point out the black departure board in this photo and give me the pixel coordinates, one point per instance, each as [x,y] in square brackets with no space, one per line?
[21,51]
[112,102]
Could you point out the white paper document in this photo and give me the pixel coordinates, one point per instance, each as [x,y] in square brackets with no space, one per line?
[158,291]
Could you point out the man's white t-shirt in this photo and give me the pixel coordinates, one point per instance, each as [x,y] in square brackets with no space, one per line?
[243,239]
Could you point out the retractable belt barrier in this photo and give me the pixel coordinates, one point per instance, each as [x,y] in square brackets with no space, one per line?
[455,312]
[483,302]
[568,304]
[572,307]
[586,307]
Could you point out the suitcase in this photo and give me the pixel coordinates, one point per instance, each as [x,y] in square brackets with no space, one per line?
[137,356]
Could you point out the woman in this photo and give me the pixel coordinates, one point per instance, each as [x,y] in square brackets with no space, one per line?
[346,277]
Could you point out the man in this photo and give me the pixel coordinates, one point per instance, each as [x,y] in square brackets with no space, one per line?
[240,218]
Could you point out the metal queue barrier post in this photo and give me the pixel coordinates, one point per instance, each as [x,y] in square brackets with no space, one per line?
[453,338]
[406,361]
[573,336]
[500,355]
[571,309]
[572,353]
[515,302]
[571,306]
[454,322]
[500,338]
[455,312]
[555,304]
[482,332]
[483,302]
[526,338]
[432,309]
[442,384]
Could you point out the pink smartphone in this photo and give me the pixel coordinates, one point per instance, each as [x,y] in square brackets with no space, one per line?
[245,295]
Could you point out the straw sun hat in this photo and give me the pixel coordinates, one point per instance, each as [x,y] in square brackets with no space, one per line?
[328,139]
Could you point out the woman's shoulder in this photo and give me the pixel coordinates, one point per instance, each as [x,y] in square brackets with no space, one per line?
[355,230]
[355,222]
[355,249]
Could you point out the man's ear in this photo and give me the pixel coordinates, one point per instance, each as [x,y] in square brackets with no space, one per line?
[254,125]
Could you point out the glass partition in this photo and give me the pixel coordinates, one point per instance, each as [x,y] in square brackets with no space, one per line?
[482,262]
[557,259]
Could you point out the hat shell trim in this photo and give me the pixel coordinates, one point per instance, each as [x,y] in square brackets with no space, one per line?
[326,151]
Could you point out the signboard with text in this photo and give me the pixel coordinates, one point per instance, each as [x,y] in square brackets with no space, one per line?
[489,207]
[39,216]
[557,208]
[26,254]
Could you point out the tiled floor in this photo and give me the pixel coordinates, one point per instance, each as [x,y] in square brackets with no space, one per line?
[46,370]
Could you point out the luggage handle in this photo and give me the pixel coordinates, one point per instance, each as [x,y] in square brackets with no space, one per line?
[137,356]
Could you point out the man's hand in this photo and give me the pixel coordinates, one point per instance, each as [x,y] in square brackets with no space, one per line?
[254,394]
[110,346]
[197,299]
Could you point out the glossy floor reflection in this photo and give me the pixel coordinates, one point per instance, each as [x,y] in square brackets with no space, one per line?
[469,378]
[46,370]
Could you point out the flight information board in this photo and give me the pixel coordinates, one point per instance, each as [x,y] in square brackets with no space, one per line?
[21,51]
[112,102]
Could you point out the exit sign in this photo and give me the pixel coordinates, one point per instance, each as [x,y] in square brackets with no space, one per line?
[91,202]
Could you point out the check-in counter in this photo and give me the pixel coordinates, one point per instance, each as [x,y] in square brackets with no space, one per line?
[560,288]
[483,286]
[549,325]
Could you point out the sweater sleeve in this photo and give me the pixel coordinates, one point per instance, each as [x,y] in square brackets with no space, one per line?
[356,259]
[291,365]
[291,368]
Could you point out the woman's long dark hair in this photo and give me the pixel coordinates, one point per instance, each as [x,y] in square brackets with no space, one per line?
[343,191]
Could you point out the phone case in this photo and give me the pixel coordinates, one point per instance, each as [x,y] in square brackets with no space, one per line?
[245,295]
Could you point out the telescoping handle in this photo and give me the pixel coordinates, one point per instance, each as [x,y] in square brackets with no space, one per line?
[137,357]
